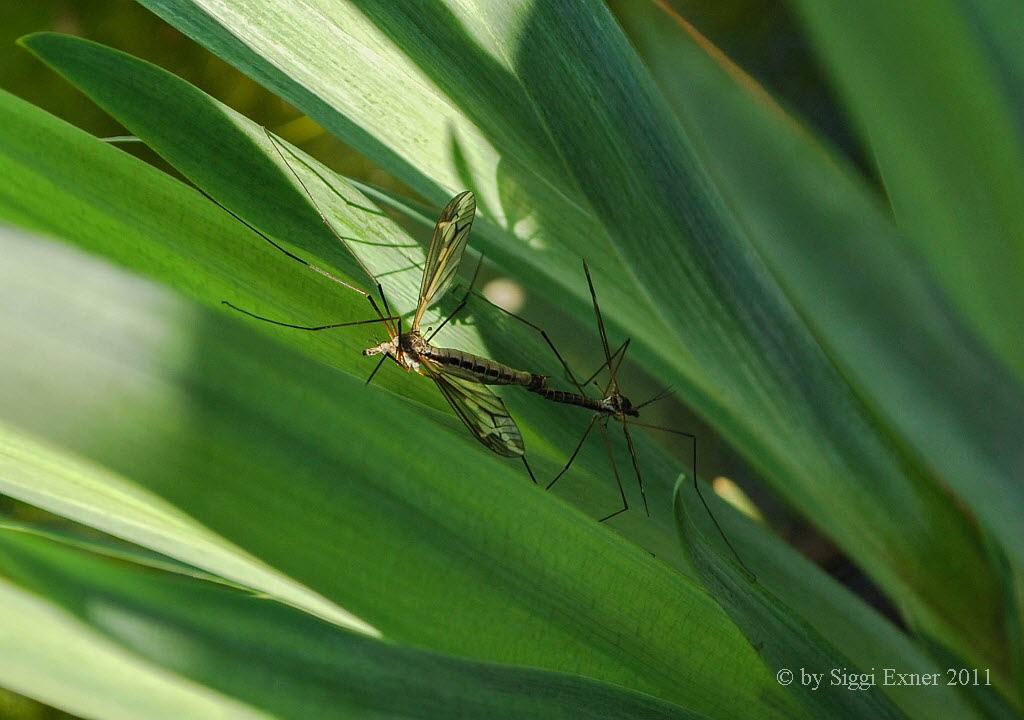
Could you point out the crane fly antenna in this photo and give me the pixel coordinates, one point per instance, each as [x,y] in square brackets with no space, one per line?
[662,394]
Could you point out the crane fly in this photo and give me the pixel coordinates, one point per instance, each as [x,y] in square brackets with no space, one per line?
[461,377]
[456,373]
[613,405]
[411,349]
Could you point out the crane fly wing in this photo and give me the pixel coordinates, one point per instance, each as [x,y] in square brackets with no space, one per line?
[482,411]
[445,251]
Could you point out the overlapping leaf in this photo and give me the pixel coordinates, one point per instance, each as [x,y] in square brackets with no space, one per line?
[863,398]
[505,98]
[302,467]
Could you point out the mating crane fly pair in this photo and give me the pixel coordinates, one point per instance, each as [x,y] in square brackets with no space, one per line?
[463,377]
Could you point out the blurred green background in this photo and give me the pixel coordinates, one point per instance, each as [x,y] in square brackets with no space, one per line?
[761,36]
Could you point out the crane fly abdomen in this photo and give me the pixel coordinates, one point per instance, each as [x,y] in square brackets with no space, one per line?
[568,398]
[481,369]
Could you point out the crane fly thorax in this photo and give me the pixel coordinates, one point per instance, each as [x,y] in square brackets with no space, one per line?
[407,349]
[412,343]
[618,404]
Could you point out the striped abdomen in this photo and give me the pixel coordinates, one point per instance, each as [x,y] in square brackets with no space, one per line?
[560,396]
[481,369]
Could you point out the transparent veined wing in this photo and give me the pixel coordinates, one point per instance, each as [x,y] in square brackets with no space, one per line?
[482,411]
[445,251]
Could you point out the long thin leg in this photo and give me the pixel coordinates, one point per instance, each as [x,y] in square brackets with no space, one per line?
[696,487]
[662,428]
[305,262]
[320,212]
[398,345]
[398,357]
[462,303]
[611,390]
[575,452]
[529,470]
[383,299]
[636,465]
[303,327]
[600,322]
[618,480]
[453,313]
[547,339]
[707,508]
[376,367]
[323,217]
[613,372]
[622,348]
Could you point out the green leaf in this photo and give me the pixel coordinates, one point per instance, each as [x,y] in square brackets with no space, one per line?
[43,475]
[682,276]
[174,645]
[233,160]
[753,271]
[942,128]
[795,648]
[68,664]
[336,486]
[891,330]
[820,626]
